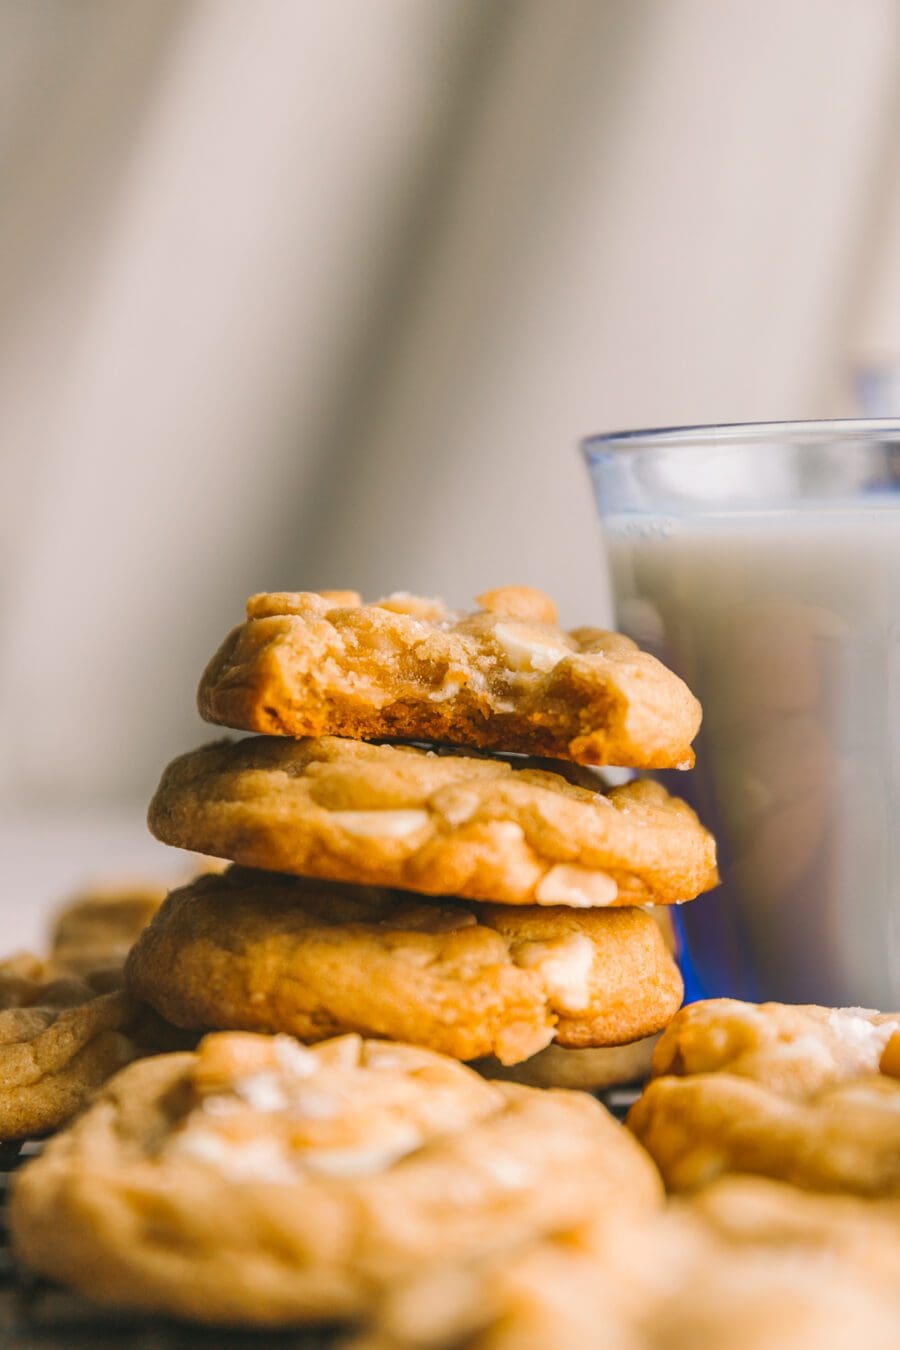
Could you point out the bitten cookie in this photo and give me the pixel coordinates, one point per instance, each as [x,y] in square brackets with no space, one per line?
[257,951]
[787,1092]
[441,824]
[504,678]
[261,1182]
[59,1040]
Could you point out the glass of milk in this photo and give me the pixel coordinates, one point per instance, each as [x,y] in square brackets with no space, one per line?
[762,563]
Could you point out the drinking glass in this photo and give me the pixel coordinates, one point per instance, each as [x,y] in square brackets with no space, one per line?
[762,563]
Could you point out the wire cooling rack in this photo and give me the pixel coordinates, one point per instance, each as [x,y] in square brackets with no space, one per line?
[35,1315]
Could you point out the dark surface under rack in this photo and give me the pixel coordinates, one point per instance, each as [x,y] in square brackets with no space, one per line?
[35,1315]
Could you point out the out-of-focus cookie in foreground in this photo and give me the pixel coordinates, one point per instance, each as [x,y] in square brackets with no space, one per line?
[747,1265]
[504,677]
[261,1182]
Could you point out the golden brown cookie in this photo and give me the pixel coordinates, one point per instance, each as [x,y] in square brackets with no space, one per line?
[261,1182]
[793,1048]
[504,678]
[685,1280]
[59,1040]
[98,929]
[588,1070]
[748,1265]
[787,1092]
[255,951]
[441,824]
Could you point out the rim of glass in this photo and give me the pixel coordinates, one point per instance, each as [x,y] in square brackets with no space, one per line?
[729,433]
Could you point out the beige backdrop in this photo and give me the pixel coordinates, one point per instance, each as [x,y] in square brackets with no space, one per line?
[302,294]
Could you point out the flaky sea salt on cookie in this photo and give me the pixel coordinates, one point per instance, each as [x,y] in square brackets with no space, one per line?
[260,1182]
[787,1092]
[261,952]
[442,824]
[504,677]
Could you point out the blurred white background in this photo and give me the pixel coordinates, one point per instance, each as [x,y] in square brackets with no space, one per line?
[302,294]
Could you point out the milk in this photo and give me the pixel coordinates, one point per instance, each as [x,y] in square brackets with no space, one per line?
[787,627]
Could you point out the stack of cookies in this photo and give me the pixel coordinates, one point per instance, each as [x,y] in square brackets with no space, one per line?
[474,890]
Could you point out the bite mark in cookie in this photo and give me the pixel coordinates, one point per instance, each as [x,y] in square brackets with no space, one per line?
[502,677]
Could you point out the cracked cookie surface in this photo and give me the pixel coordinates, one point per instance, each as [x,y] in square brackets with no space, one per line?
[259,1181]
[789,1092]
[504,677]
[257,951]
[440,824]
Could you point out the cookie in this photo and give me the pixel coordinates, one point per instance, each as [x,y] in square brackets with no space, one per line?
[441,824]
[778,1091]
[677,1281]
[751,1265]
[791,1048]
[504,678]
[98,928]
[256,951]
[59,1040]
[260,1182]
[588,1070]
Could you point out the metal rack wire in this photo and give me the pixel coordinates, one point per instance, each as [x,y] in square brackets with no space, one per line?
[35,1315]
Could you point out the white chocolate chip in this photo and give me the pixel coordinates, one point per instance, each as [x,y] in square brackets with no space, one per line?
[807,1050]
[449,689]
[220,1104]
[507,831]
[457,805]
[424,608]
[527,648]
[360,1162]
[381,824]
[564,965]
[263,1091]
[510,1173]
[310,1103]
[294,1058]
[261,1159]
[857,1033]
[578,887]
